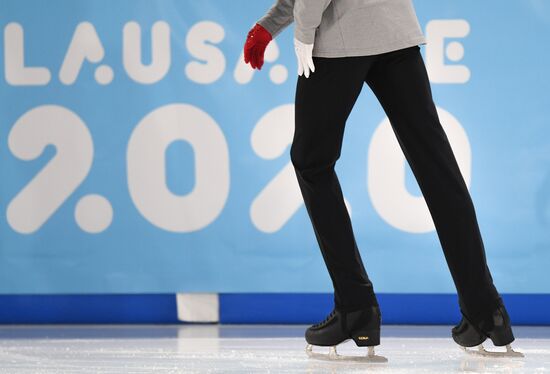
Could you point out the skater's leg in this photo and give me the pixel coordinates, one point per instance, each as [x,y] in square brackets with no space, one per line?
[323,103]
[400,82]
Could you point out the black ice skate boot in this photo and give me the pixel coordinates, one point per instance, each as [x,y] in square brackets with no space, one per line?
[496,327]
[363,326]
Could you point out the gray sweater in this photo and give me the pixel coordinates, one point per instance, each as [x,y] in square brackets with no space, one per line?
[340,28]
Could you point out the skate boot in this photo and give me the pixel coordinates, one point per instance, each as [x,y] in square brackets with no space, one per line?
[363,326]
[496,327]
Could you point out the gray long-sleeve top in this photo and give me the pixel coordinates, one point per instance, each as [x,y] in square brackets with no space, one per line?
[340,28]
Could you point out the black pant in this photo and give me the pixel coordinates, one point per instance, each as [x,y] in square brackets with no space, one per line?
[400,82]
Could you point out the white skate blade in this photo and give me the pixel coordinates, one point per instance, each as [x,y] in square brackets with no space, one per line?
[334,356]
[481,351]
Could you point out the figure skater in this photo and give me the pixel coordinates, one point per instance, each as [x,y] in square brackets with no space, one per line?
[340,45]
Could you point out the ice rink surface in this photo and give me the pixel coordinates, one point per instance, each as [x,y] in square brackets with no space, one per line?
[210,348]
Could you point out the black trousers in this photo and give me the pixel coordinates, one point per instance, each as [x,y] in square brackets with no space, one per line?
[400,83]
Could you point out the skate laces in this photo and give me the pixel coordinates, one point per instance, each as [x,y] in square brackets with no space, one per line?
[325,321]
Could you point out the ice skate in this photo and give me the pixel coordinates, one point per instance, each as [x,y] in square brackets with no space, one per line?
[497,328]
[363,326]
[481,351]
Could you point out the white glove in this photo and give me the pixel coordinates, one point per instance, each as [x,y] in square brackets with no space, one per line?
[304,53]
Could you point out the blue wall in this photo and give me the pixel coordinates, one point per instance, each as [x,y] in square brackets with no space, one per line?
[139,155]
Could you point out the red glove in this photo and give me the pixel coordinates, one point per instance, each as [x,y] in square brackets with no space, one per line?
[256,42]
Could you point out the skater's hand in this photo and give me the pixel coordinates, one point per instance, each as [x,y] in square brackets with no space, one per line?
[256,42]
[304,54]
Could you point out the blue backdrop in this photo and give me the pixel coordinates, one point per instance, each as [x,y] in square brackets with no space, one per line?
[140,155]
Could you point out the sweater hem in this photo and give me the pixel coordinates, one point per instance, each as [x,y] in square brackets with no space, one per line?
[351,52]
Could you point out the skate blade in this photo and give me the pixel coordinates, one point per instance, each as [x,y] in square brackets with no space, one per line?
[481,351]
[334,356]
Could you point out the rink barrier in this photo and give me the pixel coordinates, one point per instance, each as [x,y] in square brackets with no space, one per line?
[245,308]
